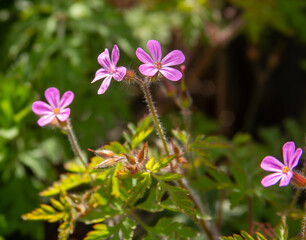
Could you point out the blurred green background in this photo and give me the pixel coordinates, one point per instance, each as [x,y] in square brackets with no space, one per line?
[245,71]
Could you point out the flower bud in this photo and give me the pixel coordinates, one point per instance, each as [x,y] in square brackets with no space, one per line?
[129,76]
[298,180]
[103,153]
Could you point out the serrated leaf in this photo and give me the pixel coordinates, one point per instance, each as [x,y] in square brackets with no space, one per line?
[115,182]
[159,192]
[100,231]
[181,200]
[45,212]
[260,236]
[166,227]
[150,164]
[126,226]
[238,237]
[181,135]
[163,163]
[116,147]
[74,167]
[66,182]
[140,136]
[169,176]
[65,229]
[144,123]
[57,204]
[246,235]
[150,204]
[138,190]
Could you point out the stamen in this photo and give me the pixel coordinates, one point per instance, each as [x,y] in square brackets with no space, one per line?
[285,170]
[158,65]
[56,110]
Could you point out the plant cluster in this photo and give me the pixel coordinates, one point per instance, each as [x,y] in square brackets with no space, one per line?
[153,188]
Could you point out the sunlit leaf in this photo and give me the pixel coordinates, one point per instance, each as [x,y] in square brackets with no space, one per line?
[140,136]
[163,163]
[168,176]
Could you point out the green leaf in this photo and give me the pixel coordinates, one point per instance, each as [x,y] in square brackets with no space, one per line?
[45,212]
[65,229]
[67,181]
[101,231]
[169,176]
[116,147]
[115,182]
[181,200]
[74,167]
[281,230]
[246,235]
[163,163]
[150,164]
[138,190]
[140,136]
[150,204]
[159,192]
[167,228]
[260,236]
[238,237]
[57,204]
[181,135]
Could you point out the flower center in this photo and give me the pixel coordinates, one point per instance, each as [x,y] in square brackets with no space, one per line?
[285,170]
[56,110]
[158,65]
[111,71]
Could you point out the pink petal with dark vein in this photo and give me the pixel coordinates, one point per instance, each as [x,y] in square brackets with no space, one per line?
[271,164]
[53,97]
[155,50]
[41,108]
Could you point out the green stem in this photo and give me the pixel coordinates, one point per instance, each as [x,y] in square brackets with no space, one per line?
[74,144]
[154,114]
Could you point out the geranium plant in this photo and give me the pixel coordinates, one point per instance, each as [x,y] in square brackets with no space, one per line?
[125,184]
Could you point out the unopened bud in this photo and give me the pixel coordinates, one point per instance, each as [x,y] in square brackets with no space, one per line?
[129,76]
[102,153]
[131,159]
[298,180]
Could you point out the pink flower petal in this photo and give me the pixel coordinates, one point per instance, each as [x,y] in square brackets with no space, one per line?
[271,179]
[66,99]
[41,108]
[271,164]
[285,179]
[175,57]
[101,73]
[104,85]
[53,97]
[64,114]
[46,119]
[115,55]
[143,56]
[288,151]
[295,158]
[148,69]
[171,73]
[120,73]
[104,59]
[155,50]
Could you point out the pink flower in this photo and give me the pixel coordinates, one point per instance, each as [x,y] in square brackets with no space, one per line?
[56,109]
[155,64]
[282,172]
[109,69]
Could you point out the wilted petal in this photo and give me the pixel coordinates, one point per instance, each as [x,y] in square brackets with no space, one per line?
[175,57]
[41,108]
[271,179]
[143,56]
[53,97]
[120,73]
[155,50]
[101,73]
[295,158]
[271,164]
[115,55]
[148,69]
[64,114]
[104,85]
[46,119]
[66,99]
[104,59]
[288,151]
[285,179]
[171,73]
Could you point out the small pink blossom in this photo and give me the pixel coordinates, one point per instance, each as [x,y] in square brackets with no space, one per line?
[109,69]
[282,172]
[155,64]
[56,109]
